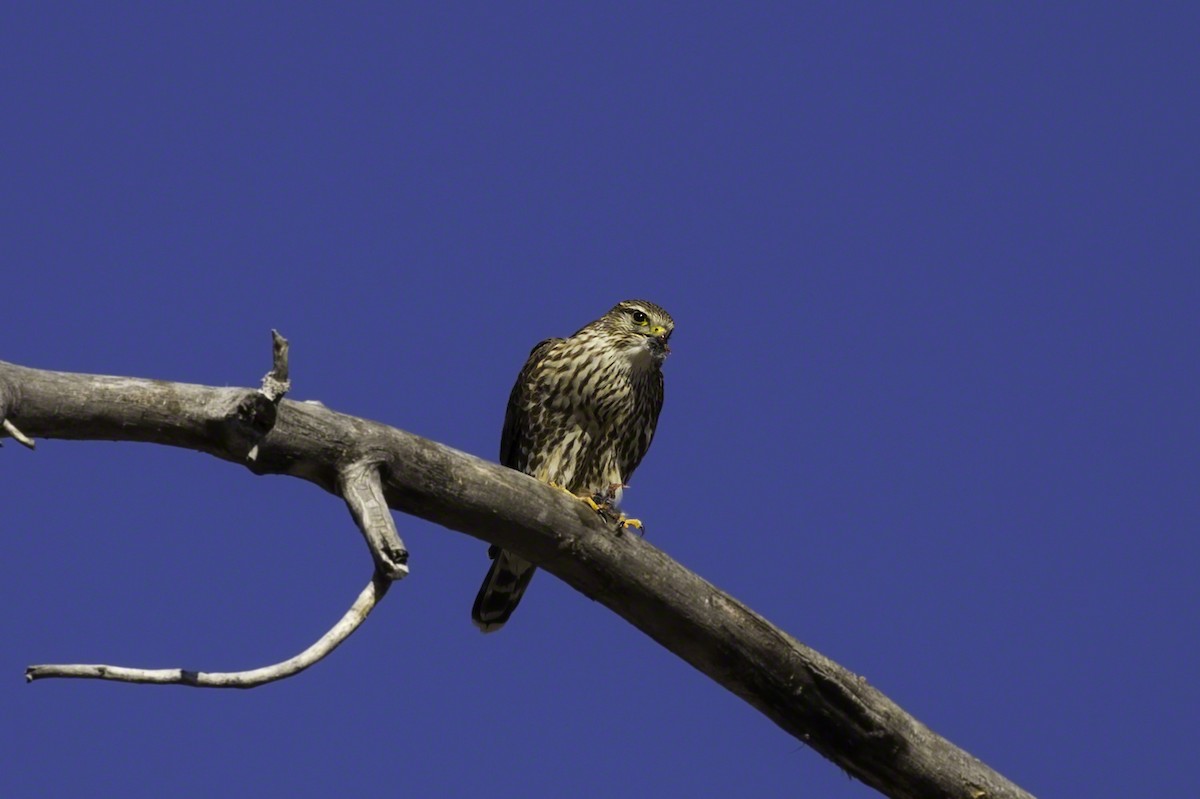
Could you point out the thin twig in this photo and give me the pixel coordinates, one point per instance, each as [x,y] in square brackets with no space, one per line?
[362,606]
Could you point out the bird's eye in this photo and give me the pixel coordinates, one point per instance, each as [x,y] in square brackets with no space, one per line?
[640,318]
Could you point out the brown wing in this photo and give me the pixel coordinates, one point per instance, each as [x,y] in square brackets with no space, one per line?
[641,429]
[516,437]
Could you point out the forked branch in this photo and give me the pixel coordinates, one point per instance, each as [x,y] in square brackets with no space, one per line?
[253,419]
[827,707]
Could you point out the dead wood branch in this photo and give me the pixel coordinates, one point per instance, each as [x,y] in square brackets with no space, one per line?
[253,417]
[814,699]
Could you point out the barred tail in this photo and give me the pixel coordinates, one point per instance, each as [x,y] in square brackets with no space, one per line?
[501,590]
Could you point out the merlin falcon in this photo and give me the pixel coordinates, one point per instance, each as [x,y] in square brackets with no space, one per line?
[580,418]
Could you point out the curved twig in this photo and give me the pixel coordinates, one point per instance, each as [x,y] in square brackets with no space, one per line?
[349,622]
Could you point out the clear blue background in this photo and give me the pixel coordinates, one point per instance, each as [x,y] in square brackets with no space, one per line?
[932,406]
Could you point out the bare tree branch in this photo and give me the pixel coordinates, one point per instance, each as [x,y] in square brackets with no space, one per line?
[363,493]
[362,606]
[831,709]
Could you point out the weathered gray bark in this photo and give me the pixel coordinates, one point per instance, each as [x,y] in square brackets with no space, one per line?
[822,704]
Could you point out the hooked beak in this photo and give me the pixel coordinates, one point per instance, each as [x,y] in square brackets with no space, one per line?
[658,343]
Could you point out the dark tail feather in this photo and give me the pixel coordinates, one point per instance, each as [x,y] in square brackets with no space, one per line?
[501,590]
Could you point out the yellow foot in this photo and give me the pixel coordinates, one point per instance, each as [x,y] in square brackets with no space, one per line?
[591,503]
[622,521]
[605,509]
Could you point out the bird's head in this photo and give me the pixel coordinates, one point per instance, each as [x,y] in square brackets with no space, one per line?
[640,327]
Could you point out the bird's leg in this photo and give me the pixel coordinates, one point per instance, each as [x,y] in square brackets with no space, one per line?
[602,503]
[623,520]
[608,510]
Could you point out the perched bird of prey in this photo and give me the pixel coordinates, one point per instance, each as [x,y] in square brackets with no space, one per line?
[580,418]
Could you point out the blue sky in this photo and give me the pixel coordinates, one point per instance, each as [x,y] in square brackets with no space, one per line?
[931,405]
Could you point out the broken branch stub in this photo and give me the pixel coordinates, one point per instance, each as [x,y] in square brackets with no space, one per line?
[360,486]
[21,438]
[275,383]
[7,401]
